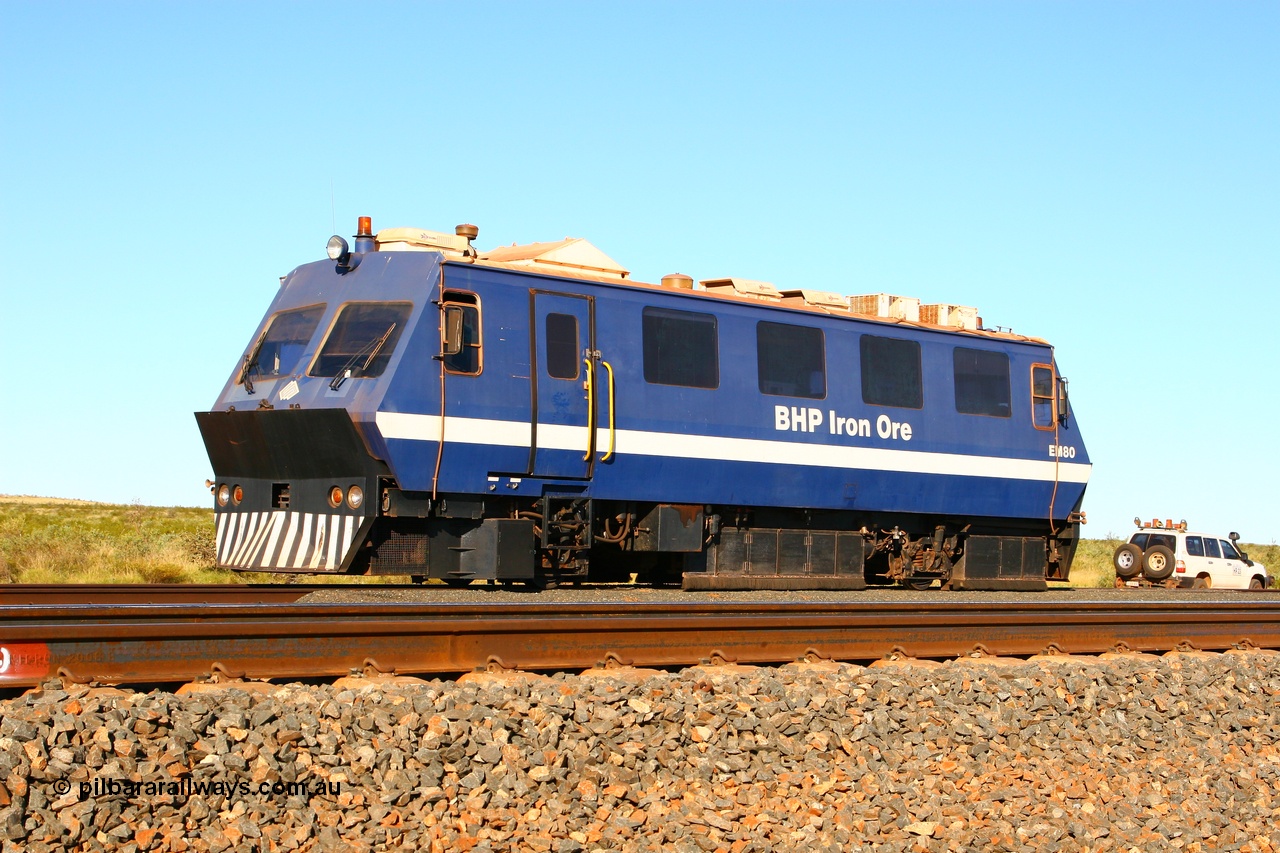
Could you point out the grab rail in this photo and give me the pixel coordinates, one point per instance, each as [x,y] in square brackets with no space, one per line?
[612,431]
[591,411]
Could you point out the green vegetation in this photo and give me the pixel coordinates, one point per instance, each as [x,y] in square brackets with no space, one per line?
[1092,566]
[44,540]
[47,540]
[50,540]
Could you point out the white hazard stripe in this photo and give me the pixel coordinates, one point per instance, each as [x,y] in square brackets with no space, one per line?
[228,524]
[280,539]
[224,518]
[397,425]
[304,541]
[257,528]
[290,533]
[333,540]
[271,542]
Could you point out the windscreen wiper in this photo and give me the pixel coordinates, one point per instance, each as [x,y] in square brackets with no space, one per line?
[372,348]
[250,362]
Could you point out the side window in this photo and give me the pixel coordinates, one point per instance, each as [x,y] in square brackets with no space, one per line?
[282,344]
[1195,547]
[790,361]
[362,339]
[1043,401]
[1229,550]
[891,372]
[981,381]
[1140,539]
[680,348]
[461,345]
[562,346]
[1211,548]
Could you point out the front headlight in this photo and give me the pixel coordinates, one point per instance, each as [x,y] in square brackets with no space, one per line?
[355,497]
[224,494]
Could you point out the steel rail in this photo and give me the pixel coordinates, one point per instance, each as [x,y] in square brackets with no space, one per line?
[161,593]
[182,642]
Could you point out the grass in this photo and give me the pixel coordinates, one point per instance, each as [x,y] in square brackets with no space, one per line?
[51,540]
[44,540]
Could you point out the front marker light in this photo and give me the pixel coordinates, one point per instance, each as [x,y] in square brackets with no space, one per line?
[335,497]
[224,494]
[355,497]
[237,495]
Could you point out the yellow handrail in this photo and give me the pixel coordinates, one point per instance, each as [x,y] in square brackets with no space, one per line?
[608,455]
[591,411]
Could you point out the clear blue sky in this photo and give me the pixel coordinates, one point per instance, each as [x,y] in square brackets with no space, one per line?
[1103,175]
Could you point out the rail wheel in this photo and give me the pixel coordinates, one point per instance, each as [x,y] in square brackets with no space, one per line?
[1127,560]
[1157,563]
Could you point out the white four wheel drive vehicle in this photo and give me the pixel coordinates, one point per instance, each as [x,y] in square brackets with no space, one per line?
[1168,553]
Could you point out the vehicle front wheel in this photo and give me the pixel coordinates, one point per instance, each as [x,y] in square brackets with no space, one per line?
[1256,583]
[1127,560]
[1157,563]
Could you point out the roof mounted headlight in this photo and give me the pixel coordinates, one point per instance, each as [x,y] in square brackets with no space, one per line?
[339,250]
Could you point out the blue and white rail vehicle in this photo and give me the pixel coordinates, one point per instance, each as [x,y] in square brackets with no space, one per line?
[412,406]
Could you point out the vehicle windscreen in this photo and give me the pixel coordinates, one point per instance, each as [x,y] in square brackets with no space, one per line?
[281,345]
[362,339]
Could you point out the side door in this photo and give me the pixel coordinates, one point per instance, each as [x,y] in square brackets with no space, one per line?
[1197,563]
[1234,566]
[562,380]
[1214,563]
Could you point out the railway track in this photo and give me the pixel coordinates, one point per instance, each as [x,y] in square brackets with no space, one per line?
[153,593]
[169,638]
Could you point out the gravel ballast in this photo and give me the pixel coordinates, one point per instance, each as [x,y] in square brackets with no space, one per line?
[1122,752]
